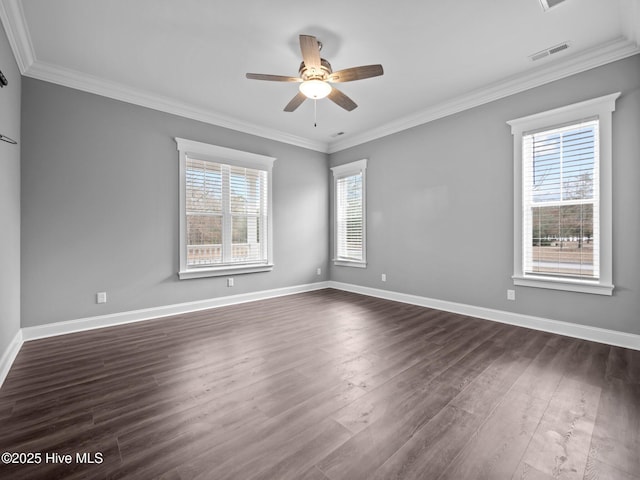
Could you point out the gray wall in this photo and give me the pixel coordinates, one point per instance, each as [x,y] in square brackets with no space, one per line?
[9,197]
[440,206]
[100,207]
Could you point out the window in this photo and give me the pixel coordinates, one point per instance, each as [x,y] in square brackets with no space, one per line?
[562,177]
[560,204]
[225,211]
[349,201]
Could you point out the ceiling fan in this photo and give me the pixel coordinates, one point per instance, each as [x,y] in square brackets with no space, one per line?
[316,76]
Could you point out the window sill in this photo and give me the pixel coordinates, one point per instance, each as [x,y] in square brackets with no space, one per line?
[350,263]
[555,283]
[222,271]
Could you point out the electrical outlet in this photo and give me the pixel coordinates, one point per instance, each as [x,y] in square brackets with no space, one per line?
[319,271]
[101,297]
[230,282]
[383,277]
[511,294]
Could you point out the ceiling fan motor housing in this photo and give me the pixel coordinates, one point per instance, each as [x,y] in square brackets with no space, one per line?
[313,74]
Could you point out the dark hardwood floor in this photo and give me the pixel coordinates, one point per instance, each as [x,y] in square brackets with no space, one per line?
[325,385]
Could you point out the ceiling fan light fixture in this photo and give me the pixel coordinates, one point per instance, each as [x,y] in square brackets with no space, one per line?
[315,89]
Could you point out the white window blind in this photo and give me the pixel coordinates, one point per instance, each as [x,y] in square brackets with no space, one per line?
[349,185]
[561,201]
[225,211]
[349,219]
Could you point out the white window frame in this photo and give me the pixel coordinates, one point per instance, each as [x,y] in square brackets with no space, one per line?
[227,156]
[358,167]
[602,108]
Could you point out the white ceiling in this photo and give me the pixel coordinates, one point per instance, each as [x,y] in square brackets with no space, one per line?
[189,57]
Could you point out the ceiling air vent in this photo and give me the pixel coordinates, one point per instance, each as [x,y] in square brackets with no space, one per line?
[549,51]
[547,4]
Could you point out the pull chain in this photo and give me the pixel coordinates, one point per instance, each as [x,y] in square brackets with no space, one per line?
[315,112]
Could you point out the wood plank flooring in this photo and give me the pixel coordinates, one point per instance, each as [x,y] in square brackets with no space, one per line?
[325,385]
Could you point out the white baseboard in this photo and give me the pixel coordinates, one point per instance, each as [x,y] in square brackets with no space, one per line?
[83,324]
[595,334]
[110,320]
[601,335]
[10,355]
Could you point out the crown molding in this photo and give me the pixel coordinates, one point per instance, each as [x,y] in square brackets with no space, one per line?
[87,83]
[15,26]
[12,17]
[630,19]
[617,49]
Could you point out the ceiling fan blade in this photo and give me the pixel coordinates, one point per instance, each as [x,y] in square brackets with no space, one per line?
[310,51]
[356,73]
[272,78]
[341,99]
[295,102]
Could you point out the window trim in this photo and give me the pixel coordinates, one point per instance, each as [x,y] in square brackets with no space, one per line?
[229,156]
[602,108]
[342,171]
